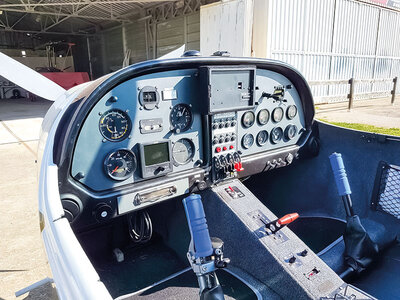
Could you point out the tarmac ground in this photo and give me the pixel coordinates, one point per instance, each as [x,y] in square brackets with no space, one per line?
[22,257]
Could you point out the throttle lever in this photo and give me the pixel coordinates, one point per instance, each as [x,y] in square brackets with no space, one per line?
[278,224]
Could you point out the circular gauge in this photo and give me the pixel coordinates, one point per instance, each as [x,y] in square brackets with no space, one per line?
[181,118]
[291,112]
[115,125]
[276,135]
[263,117]
[277,114]
[290,131]
[247,140]
[183,151]
[120,164]
[262,137]
[248,119]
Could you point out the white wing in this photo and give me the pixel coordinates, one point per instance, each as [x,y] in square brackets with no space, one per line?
[174,54]
[29,79]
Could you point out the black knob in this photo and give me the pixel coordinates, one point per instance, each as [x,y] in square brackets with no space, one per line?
[221,140]
[227,139]
[215,141]
[103,212]
[227,124]
[159,170]
[233,123]
[221,125]
[304,253]
[292,259]
[233,137]
[215,126]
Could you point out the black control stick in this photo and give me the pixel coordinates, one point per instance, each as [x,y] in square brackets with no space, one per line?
[360,250]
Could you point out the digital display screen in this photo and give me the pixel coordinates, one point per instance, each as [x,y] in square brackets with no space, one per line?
[149,97]
[156,154]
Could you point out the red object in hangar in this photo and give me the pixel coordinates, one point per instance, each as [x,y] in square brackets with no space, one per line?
[67,80]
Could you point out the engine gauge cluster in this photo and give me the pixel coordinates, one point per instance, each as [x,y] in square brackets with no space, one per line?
[115,125]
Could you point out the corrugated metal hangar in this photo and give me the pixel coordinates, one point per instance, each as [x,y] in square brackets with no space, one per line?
[332,39]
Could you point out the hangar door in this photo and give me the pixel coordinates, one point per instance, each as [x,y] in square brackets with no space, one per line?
[173,33]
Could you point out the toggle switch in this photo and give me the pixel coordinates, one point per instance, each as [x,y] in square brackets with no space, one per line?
[239,167]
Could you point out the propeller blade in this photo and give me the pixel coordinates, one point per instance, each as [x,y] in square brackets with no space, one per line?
[29,79]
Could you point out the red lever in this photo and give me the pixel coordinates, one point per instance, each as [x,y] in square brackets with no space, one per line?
[287,219]
[239,167]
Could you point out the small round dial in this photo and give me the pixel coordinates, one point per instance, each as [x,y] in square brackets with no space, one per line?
[183,151]
[248,119]
[263,117]
[291,112]
[262,137]
[276,135]
[290,132]
[181,118]
[277,114]
[247,140]
[121,164]
[115,125]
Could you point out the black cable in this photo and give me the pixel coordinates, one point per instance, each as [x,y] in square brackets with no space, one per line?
[140,227]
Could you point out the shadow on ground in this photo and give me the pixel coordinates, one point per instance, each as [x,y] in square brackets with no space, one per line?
[44,292]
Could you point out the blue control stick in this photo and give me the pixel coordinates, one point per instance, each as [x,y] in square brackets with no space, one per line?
[198,226]
[203,258]
[342,183]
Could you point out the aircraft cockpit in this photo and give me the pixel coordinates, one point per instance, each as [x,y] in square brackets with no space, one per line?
[205,177]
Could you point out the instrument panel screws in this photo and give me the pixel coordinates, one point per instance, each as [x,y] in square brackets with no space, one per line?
[104,140]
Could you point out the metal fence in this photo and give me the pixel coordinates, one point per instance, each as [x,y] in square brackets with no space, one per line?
[337,40]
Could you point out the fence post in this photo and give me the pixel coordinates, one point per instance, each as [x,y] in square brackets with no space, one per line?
[394,89]
[351,95]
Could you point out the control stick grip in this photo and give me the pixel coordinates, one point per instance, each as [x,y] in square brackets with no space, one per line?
[339,172]
[198,225]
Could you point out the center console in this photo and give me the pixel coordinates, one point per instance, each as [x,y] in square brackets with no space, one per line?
[277,258]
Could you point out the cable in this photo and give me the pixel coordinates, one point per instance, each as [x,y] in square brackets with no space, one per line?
[140,227]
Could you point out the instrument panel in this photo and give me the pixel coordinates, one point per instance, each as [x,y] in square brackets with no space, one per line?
[168,122]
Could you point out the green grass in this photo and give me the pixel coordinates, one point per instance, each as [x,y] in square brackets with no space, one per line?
[368,128]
